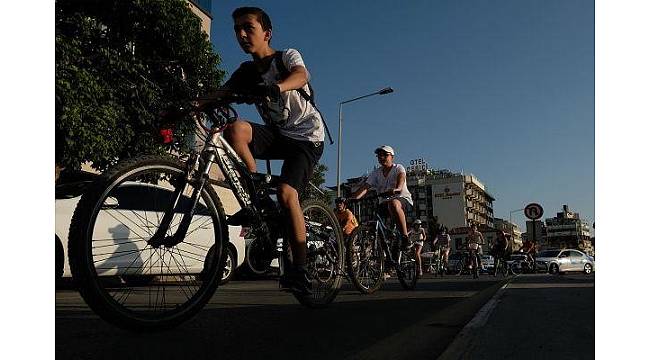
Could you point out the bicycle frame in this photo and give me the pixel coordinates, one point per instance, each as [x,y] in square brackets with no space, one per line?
[382,229]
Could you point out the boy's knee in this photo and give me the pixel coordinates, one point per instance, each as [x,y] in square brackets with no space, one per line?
[287,195]
[239,131]
[395,204]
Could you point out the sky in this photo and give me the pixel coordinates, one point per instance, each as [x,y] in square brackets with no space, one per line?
[502,89]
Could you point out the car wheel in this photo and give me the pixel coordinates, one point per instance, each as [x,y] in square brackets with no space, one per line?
[257,263]
[229,266]
[59,258]
[553,269]
[588,269]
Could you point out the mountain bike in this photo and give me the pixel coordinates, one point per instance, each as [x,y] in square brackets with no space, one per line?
[501,266]
[468,263]
[374,247]
[160,217]
[436,266]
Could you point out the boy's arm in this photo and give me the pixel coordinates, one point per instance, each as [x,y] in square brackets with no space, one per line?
[297,79]
[401,179]
[360,192]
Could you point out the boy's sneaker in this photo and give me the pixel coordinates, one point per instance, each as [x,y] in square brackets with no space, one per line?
[243,217]
[297,281]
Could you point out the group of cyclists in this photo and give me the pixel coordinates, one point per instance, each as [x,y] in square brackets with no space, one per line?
[441,243]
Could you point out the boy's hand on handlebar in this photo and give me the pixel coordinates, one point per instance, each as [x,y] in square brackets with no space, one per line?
[272,91]
[387,193]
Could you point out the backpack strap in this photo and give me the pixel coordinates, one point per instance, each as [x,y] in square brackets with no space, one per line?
[284,72]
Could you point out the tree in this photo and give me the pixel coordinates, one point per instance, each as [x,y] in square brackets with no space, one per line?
[118,64]
[318,179]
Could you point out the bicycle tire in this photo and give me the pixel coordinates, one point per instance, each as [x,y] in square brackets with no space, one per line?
[407,272]
[325,254]
[110,194]
[459,267]
[362,252]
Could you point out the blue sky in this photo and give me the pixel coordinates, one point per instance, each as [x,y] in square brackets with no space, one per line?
[502,89]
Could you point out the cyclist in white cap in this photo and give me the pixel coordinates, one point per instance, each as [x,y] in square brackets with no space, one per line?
[389,181]
[418,236]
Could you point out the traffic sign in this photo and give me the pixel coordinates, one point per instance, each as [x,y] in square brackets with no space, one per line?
[533,211]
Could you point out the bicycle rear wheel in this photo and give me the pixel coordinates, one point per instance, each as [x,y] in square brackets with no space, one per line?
[365,260]
[325,253]
[407,271]
[109,246]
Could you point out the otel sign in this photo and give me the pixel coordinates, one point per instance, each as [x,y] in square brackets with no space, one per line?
[533,211]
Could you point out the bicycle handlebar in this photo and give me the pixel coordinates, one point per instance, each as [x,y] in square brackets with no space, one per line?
[224,97]
[376,196]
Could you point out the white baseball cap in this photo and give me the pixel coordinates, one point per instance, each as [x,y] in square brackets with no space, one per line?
[385,148]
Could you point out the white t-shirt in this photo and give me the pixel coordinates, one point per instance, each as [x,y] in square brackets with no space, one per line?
[303,121]
[382,183]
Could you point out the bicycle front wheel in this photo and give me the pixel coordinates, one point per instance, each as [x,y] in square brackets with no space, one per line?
[110,247]
[365,259]
[407,271]
[325,253]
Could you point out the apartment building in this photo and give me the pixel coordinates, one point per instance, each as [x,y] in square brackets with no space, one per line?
[568,230]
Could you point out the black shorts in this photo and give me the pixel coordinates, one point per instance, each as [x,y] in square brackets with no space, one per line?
[299,157]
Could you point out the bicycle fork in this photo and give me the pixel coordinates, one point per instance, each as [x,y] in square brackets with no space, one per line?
[160,238]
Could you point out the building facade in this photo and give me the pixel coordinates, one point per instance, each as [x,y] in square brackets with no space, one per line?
[568,230]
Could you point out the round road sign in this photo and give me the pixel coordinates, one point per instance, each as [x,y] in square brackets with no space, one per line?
[533,211]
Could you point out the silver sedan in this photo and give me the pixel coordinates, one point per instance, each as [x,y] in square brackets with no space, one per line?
[559,261]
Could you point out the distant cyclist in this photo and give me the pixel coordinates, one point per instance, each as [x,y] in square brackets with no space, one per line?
[474,240]
[529,249]
[390,178]
[346,218]
[443,241]
[418,236]
[500,249]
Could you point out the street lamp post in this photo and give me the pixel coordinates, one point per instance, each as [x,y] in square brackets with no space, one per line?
[383,91]
[514,211]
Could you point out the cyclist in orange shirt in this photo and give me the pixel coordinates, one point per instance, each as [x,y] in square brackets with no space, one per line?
[346,218]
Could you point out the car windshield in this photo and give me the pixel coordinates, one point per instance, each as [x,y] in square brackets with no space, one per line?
[549,253]
[518,257]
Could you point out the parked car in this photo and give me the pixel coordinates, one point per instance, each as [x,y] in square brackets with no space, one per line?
[67,197]
[559,261]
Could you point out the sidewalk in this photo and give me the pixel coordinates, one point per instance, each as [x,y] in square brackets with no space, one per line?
[532,317]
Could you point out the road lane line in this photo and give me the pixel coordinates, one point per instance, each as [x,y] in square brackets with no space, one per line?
[462,343]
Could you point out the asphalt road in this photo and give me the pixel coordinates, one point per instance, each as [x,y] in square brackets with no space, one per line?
[529,316]
[253,320]
[533,317]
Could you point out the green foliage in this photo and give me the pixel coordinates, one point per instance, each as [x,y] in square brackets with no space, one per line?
[118,64]
[318,179]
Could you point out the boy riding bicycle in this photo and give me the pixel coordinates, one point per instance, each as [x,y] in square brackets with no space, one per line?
[292,130]
[346,218]
[389,179]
